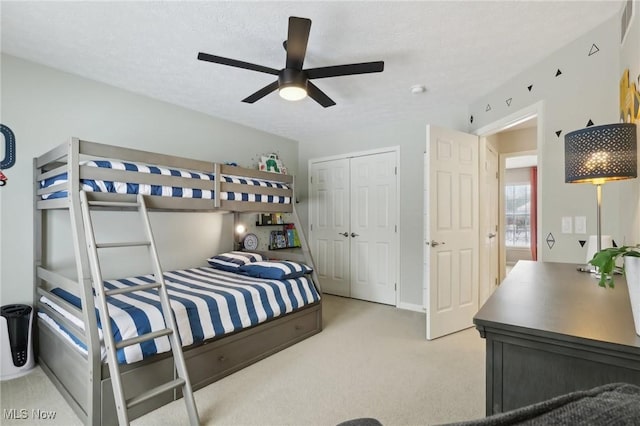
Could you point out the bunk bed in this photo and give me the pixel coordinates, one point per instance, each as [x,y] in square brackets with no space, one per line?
[69,343]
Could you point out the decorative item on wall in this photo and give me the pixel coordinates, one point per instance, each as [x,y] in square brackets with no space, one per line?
[471,119]
[589,123]
[592,50]
[550,240]
[629,100]
[271,163]
[558,132]
[9,152]
[582,242]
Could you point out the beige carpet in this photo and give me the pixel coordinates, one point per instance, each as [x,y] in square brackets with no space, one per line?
[369,361]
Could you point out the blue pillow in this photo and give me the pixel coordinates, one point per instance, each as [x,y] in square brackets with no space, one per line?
[281,270]
[233,260]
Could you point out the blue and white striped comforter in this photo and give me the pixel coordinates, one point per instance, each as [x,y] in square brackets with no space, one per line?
[206,302]
[91,185]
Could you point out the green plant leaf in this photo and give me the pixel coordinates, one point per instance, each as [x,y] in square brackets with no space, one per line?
[605,261]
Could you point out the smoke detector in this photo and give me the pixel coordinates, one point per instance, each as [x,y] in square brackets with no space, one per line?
[417,89]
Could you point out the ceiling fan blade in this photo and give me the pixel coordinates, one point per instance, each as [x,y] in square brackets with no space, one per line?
[261,93]
[350,69]
[234,63]
[297,40]
[318,95]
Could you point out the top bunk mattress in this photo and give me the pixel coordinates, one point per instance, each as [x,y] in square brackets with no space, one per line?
[206,302]
[94,185]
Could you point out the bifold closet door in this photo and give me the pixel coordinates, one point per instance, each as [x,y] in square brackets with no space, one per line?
[353,219]
[373,228]
[329,219]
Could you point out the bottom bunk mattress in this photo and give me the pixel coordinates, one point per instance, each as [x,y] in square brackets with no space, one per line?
[206,302]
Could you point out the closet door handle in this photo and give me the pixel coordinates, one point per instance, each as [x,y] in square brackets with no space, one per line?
[353,235]
[344,234]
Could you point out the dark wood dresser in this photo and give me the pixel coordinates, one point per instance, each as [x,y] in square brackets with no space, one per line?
[551,330]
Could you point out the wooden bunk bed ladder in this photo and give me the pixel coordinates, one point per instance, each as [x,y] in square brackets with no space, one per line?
[182,380]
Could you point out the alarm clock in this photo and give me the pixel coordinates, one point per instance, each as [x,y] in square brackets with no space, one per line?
[250,242]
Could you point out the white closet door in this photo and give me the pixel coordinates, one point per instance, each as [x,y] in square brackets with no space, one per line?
[373,228]
[329,218]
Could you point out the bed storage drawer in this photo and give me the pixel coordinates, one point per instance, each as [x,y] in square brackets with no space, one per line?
[213,361]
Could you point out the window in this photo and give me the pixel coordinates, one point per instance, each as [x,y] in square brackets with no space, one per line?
[518,215]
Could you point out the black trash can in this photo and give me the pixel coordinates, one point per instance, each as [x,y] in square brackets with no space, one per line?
[16,346]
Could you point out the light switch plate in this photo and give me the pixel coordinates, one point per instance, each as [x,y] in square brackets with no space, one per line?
[581,224]
[566,225]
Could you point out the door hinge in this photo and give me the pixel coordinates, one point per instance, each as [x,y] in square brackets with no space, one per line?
[311,180]
[496,281]
[396,229]
[311,227]
[395,170]
[497,177]
[395,286]
[496,228]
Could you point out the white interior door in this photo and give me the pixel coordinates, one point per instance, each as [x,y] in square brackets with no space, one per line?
[373,228]
[489,236]
[451,218]
[329,220]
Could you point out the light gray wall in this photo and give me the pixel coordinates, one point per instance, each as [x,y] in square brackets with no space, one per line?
[411,138]
[587,89]
[45,107]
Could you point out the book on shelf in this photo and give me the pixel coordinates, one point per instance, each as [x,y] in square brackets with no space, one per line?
[270,219]
[278,240]
[293,240]
[286,238]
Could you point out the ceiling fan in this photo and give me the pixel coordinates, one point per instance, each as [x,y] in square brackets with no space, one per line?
[293,81]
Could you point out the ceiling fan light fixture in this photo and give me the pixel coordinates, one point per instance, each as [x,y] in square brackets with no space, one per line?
[292,93]
[292,84]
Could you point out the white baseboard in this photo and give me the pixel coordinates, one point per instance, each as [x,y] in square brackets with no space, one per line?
[411,307]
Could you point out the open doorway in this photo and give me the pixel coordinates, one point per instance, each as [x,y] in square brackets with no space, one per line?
[508,227]
[519,216]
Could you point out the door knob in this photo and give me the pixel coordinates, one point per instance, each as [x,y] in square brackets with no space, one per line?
[353,234]
[434,243]
[344,234]
[491,235]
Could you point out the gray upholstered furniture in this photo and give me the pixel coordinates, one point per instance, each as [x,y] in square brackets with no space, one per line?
[612,404]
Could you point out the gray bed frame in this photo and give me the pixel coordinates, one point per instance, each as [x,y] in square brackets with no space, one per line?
[84,379]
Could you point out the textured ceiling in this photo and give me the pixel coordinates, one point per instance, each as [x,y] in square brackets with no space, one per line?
[460,50]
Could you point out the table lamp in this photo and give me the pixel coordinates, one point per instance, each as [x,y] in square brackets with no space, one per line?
[599,154]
